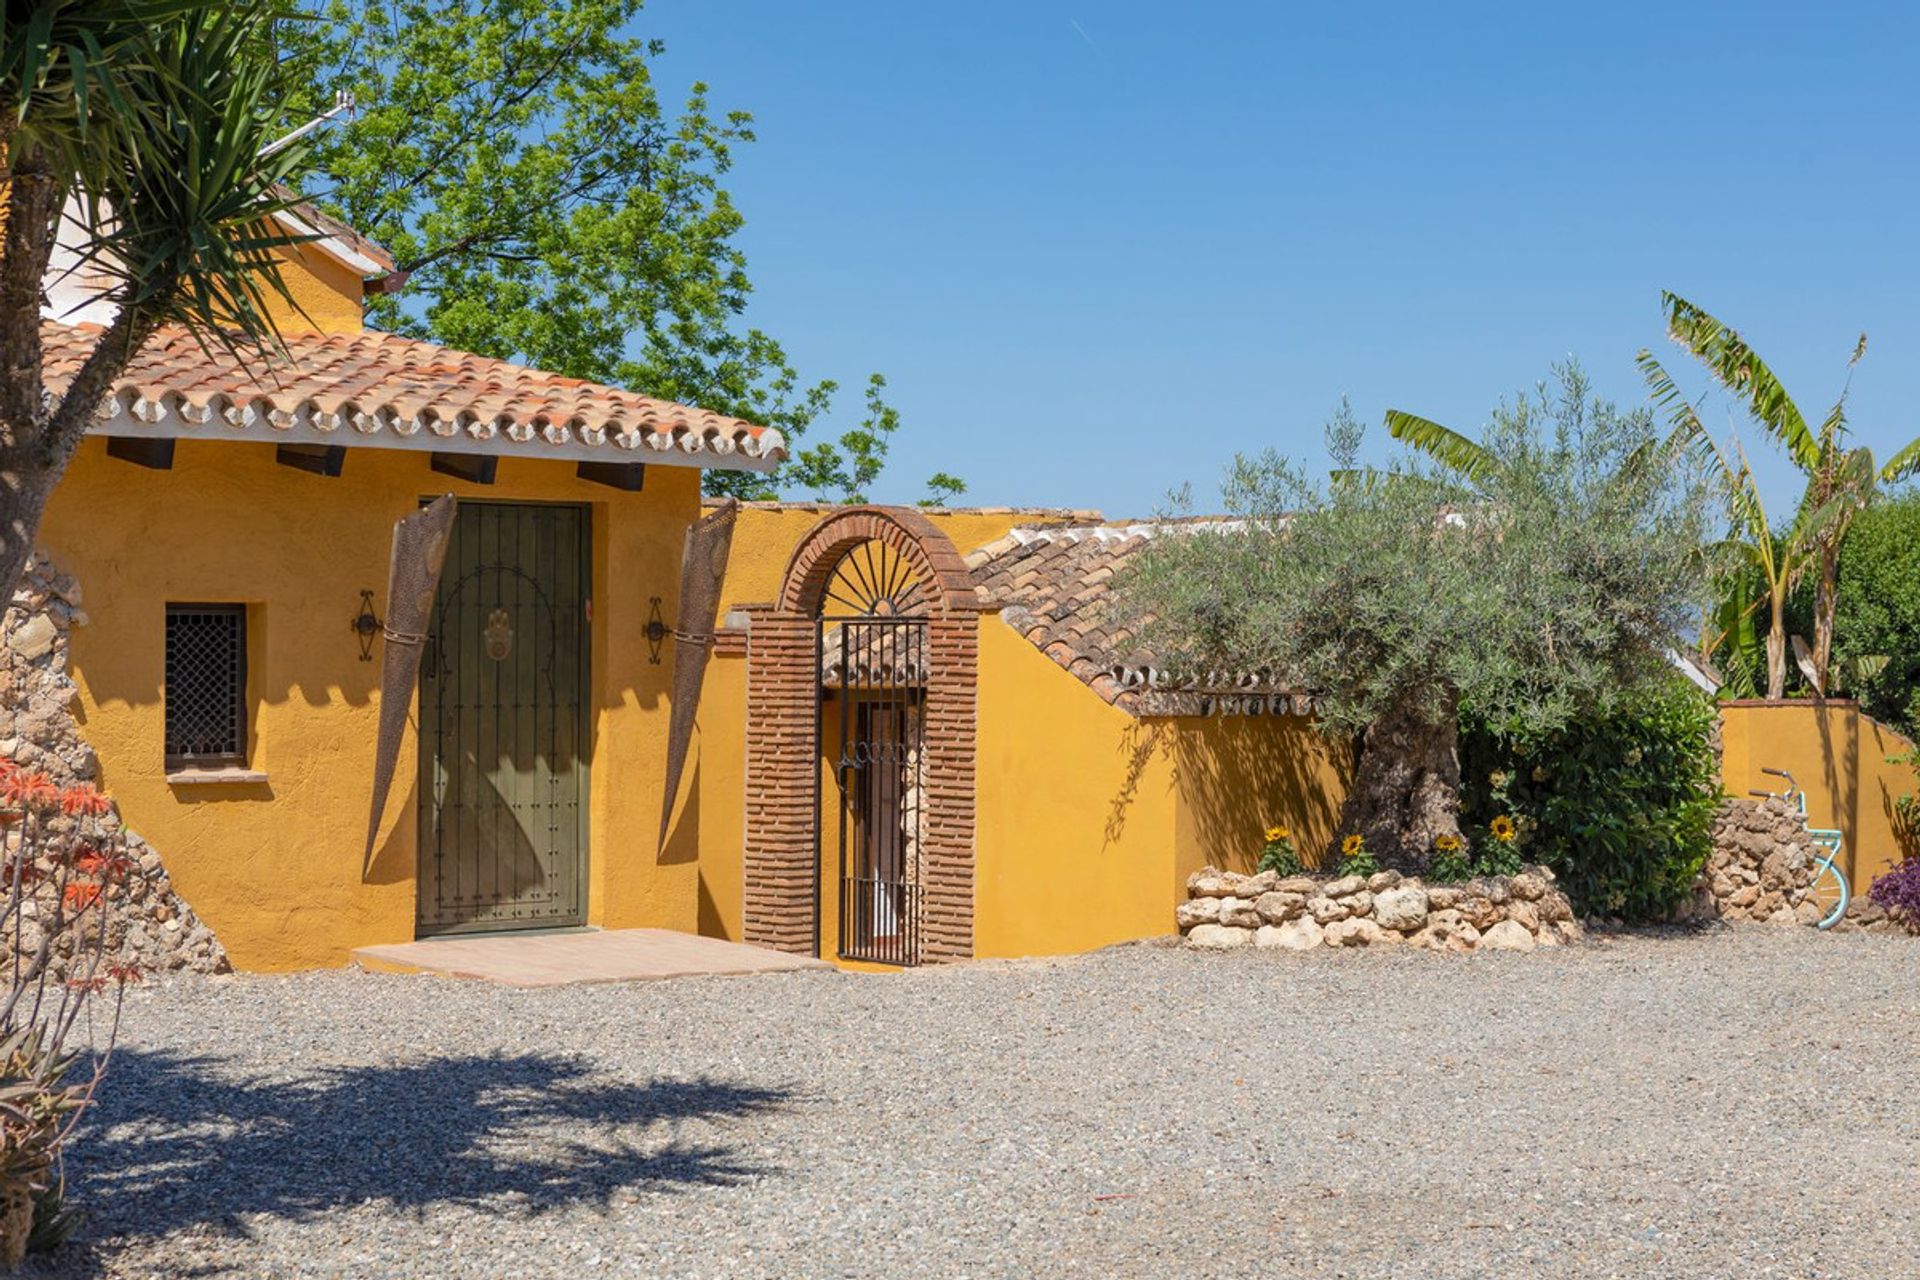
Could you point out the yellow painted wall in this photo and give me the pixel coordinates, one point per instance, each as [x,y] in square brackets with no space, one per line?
[275,868]
[1091,820]
[1088,820]
[1238,775]
[1074,844]
[712,816]
[1840,756]
[328,295]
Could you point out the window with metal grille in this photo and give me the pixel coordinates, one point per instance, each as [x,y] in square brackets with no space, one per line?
[206,693]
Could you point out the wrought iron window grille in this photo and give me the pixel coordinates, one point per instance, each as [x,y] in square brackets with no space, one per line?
[206,685]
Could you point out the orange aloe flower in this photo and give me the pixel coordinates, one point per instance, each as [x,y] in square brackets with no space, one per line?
[24,790]
[83,799]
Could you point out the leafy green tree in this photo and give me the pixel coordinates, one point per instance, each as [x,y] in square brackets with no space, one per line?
[546,206]
[147,119]
[1842,479]
[1537,585]
[1878,614]
[842,472]
[942,488]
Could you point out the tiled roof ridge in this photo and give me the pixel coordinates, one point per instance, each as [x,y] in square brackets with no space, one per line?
[1052,585]
[1098,530]
[377,384]
[1078,515]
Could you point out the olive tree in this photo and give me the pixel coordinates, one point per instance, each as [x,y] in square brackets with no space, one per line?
[1532,577]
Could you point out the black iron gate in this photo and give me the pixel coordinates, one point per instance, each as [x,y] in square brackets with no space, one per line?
[874,670]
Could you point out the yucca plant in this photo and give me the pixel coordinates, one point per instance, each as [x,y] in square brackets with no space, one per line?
[137,127]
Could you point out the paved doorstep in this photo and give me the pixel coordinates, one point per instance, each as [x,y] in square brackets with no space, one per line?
[561,959]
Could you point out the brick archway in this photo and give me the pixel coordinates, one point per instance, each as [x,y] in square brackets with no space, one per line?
[781,892]
[930,552]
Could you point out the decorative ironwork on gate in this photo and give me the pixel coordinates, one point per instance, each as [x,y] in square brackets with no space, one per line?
[873,675]
[502,723]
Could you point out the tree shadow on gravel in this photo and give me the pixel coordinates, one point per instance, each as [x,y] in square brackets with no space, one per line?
[190,1142]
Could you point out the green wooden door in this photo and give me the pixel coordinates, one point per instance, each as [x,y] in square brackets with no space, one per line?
[503,772]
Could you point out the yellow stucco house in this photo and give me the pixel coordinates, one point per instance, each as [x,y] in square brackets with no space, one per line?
[918,739]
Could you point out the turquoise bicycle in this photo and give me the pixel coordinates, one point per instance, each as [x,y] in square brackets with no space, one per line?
[1829,889]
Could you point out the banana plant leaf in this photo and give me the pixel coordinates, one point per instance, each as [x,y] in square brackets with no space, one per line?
[703,563]
[419,551]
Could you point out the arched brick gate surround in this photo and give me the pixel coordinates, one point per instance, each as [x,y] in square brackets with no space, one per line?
[783,692]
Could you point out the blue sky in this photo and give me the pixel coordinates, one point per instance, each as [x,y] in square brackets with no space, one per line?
[1099,248]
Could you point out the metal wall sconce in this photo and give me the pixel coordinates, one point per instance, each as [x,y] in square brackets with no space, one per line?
[366,625]
[656,632]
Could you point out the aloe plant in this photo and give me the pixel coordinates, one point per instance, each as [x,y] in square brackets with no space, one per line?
[64,868]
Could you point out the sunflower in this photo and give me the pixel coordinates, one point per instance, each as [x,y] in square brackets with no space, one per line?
[1502,829]
[1352,845]
[1447,844]
[1277,834]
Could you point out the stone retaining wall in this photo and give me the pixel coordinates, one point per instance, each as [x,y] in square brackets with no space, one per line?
[1761,867]
[147,923]
[1500,913]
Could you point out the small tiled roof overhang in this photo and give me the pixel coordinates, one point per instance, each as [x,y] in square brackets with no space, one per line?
[376,390]
[1054,585]
[332,237]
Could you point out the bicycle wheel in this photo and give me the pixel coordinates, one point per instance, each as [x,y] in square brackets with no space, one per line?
[1829,891]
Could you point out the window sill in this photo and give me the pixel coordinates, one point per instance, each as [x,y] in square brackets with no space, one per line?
[210,777]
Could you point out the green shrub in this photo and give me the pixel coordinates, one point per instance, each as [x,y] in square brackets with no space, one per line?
[1488,856]
[1879,608]
[1449,866]
[1279,856]
[1618,806]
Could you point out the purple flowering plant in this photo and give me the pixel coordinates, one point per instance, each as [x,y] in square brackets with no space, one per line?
[1898,891]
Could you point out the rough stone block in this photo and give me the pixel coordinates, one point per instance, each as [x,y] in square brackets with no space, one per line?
[1508,935]
[1403,908]
[1218,937]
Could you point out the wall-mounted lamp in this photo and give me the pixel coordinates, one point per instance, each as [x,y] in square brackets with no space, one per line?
[656,631]
[366,625]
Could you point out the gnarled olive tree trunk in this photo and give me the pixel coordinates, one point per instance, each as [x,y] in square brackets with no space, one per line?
[1406,786]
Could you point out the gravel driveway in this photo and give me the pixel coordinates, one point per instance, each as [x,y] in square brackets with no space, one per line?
[1733,1104]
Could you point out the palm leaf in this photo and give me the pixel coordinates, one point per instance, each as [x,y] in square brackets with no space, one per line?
[1687,431]
[1854,672]
[1738,368]
[182,204]
[1443,445]
[1902,464]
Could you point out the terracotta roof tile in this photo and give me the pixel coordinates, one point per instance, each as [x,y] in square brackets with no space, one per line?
[370,385]
[1054,585]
